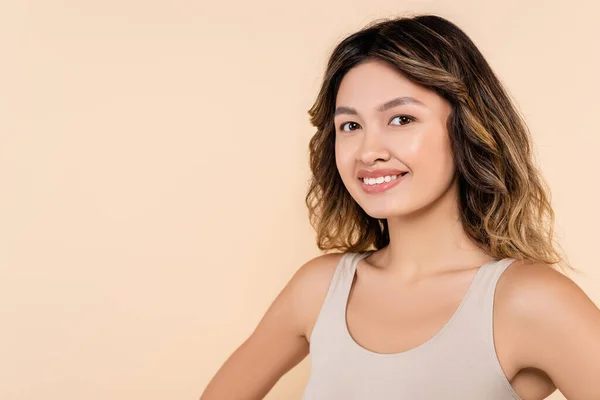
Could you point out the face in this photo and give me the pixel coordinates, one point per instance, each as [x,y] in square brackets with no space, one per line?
[403,148]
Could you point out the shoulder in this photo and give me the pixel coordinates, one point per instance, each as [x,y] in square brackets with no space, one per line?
[318,270]
[536,291]
[310,285]
[550,317]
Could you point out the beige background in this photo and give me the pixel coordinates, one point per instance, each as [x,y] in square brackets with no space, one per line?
[153,166]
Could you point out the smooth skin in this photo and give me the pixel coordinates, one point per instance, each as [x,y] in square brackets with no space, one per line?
[546,329]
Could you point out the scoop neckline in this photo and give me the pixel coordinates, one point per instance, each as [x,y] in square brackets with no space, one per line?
[421,346]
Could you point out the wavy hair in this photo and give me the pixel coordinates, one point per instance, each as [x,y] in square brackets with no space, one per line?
[504,201]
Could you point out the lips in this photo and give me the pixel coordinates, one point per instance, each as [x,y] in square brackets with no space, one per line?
[383,186]
[376,173]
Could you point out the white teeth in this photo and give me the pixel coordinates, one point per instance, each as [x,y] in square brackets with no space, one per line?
[379,180]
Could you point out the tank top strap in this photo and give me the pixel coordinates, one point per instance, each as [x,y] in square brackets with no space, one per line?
[477,312]
[339,289]
[484,289]
[331,320]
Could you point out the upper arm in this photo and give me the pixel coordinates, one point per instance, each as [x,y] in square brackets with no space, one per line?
[559,328]
[278,342]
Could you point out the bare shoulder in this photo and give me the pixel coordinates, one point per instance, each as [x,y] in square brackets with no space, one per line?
[320,268]
[531,289]
[310,285]
[554,326]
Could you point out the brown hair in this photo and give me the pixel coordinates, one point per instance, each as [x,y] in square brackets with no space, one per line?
[504,200]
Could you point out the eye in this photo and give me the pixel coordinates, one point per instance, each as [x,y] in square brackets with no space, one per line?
[404,119]
[349,124]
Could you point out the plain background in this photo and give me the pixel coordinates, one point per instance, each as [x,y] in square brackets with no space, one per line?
[153,167]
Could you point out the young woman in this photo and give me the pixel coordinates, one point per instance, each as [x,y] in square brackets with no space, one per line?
[443,285]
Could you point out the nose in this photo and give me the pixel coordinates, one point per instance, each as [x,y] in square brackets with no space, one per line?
[373,148]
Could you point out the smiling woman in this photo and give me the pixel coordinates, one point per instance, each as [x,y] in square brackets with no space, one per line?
[442,285]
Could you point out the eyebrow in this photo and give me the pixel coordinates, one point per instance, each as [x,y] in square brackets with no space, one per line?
[398,101]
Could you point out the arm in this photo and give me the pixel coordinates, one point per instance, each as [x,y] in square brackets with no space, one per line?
[278,343]
[559,329]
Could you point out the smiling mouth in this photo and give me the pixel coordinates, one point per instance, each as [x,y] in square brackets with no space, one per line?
[381,179]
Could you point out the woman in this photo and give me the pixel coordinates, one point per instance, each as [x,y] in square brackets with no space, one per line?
[442,286]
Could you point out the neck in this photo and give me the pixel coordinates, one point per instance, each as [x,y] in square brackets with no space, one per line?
[431,240]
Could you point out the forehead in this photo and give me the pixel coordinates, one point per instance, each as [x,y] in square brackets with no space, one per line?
[375,82]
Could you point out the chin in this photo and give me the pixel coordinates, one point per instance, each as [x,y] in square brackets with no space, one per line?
[385,212]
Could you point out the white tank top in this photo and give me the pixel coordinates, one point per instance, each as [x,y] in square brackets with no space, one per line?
[459,362]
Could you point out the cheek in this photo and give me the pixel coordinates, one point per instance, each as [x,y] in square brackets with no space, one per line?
[431,156]
[344,162]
